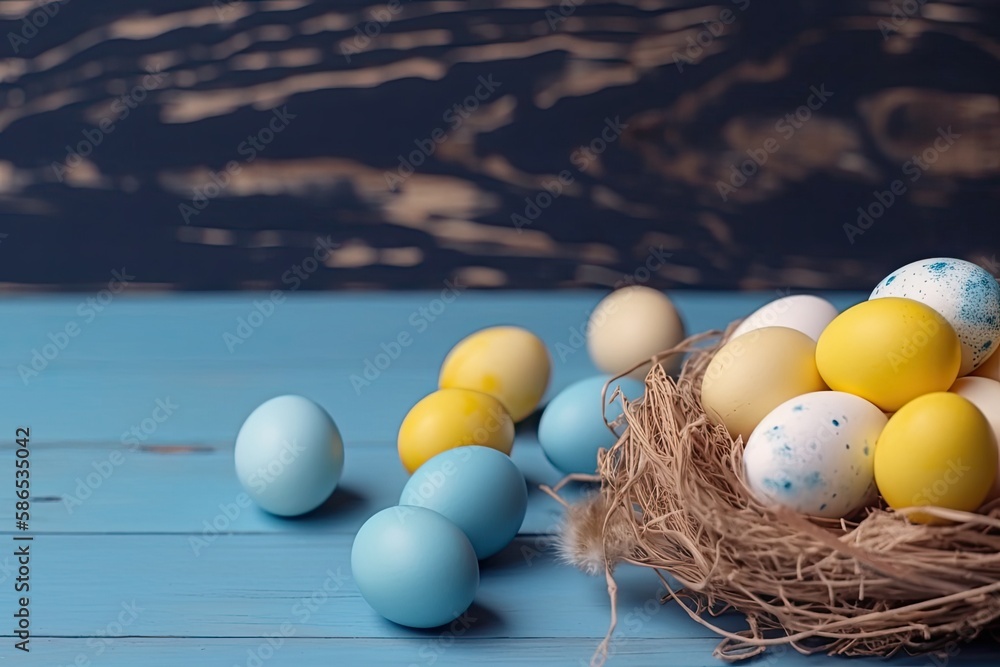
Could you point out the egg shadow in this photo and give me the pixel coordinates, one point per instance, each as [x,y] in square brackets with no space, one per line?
[476,621]
[529,425]
[534,488]
[487,622]
[342,503]
[524,551]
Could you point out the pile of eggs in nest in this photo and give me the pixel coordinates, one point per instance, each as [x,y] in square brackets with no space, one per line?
[898,395]
[417,563]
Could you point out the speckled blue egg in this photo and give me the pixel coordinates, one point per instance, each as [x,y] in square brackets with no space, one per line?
[815,454]
[965,294]
[415,567]
[572,430]
[289,455]
[479,489]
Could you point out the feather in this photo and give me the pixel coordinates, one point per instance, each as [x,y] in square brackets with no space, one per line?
[594,536]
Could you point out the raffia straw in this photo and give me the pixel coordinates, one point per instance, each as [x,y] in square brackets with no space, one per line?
[868,587]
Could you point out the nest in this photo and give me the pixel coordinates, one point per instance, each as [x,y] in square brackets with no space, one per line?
[673,498]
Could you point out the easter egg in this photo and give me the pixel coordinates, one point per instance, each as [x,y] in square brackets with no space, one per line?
[414,567]
[989,368]
[451,418]
[889,351]
[965,294]
[754,373]
[937,450]
[478,489]
[289,455]
[802,312]
[631,325]
[572,429]
[815,454]
[985,395]
[508,363]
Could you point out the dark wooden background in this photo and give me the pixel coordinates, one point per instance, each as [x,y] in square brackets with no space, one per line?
[693,86]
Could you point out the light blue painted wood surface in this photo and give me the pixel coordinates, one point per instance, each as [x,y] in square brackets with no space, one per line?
[149,479]
[138,350]
[212,598]
[437,650]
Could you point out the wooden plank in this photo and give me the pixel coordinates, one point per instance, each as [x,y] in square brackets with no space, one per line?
[441,649]
[434,649]
[78,489]
[312,348]
[209,406]
[249,585]
[308,329]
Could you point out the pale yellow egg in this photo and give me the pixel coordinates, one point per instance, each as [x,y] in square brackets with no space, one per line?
[630,325]
[985,395]
[754,373]
[989,368]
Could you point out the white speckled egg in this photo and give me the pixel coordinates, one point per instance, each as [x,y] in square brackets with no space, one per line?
[965,294]
[802,312]
[815,454]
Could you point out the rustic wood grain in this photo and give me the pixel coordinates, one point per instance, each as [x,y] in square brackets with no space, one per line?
[690,104]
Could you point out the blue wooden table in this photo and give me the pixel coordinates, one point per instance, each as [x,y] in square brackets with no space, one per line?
[142,554]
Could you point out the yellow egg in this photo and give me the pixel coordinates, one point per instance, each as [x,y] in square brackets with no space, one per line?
[630,325]
[451,418]
[509,363]
[937,450]
[754,373]
[889,351]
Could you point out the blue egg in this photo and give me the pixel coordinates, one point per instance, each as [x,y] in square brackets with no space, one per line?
[289,455]
[572,430]
[478,488]
[415,567]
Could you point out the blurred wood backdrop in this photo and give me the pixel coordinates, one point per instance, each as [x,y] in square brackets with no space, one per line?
[500,143]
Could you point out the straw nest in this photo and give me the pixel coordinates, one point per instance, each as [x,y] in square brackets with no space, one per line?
[673,498]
